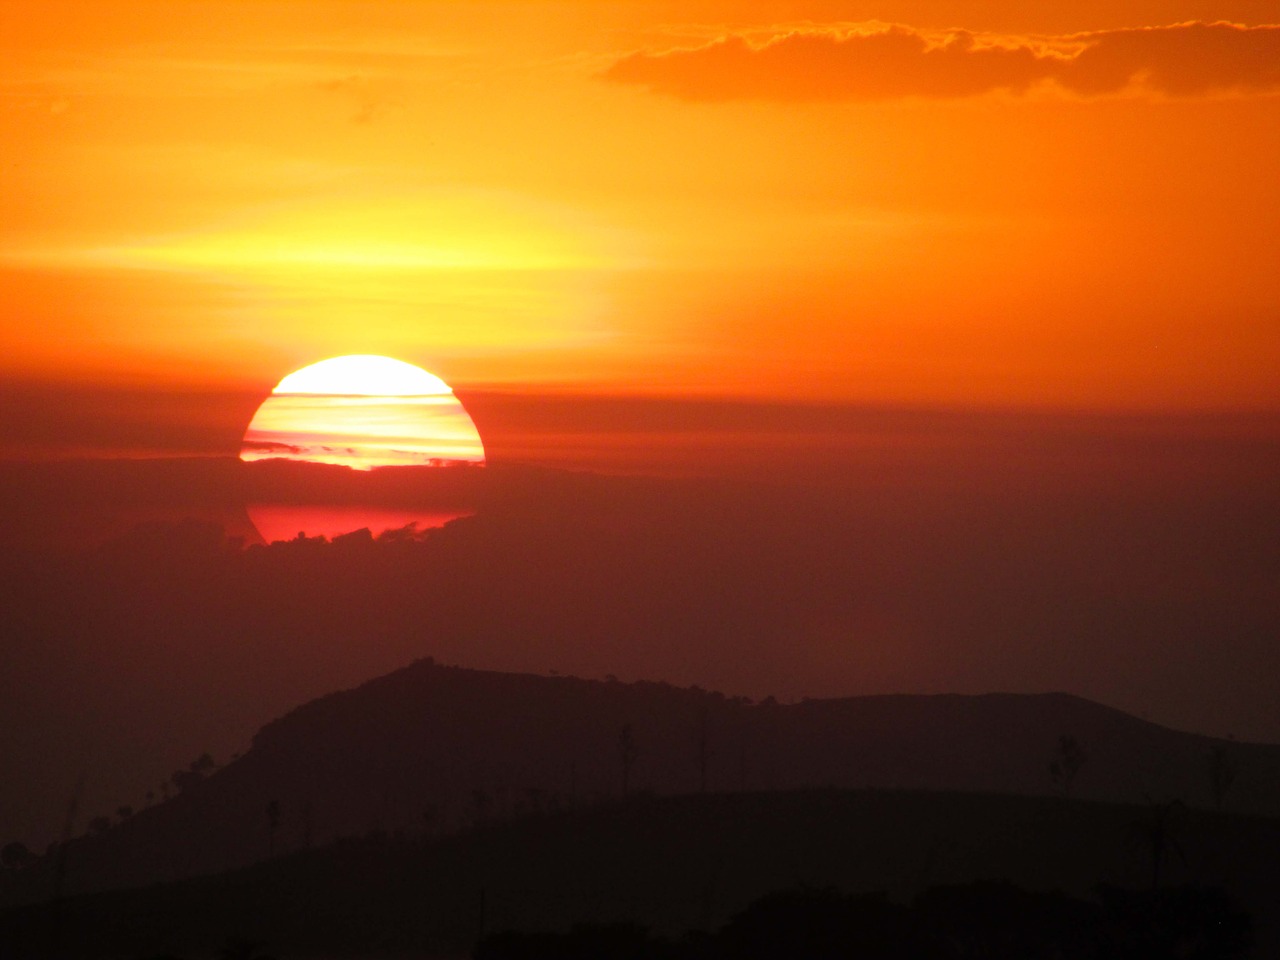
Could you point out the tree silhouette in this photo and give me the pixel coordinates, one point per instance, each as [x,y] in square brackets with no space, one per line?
[703,749]
[1222,774]
[627,753]
[1068,758]
[1155,831]
[199,768]
[273,824]
[16,855]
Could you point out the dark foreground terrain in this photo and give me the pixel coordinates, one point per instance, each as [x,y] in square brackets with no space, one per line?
[678,864]
[430,750]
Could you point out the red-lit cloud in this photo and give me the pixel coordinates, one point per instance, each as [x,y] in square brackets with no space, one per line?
[890,62]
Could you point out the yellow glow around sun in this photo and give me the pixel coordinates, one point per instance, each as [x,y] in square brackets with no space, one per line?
[443,230]
[363,411]
[480,273]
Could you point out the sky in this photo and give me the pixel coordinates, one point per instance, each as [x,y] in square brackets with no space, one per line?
[932,204]
[971,309]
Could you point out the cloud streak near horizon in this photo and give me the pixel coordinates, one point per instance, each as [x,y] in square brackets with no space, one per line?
[886,62]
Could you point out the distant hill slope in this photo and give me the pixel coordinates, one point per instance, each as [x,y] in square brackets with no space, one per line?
[674,864]
[429,749]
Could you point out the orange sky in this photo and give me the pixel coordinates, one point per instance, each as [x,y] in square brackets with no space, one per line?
[983,294]
[986,204]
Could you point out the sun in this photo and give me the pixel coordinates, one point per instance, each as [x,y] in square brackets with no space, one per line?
[368,414]
[363,411]
[363,374]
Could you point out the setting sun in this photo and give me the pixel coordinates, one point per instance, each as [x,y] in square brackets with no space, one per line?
[363,411]
[363,375]
[873,395]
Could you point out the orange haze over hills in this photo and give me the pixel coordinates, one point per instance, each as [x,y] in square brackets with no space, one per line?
[812,347]
[932,204]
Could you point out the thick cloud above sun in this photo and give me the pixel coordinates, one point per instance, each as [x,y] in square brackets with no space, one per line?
[883,62]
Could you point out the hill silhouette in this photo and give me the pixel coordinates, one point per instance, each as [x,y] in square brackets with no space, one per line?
[670,864]
[125,659]
[431,750]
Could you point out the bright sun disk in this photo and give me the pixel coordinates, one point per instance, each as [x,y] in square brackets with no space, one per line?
[363,375]
[363,411]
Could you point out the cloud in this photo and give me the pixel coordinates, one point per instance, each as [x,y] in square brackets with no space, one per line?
[272,446]
[891,62]
[1187,59]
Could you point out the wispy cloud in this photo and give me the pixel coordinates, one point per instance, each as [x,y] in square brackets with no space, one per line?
[884,62]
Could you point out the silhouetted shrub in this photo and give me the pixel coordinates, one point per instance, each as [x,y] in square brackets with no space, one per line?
[997,920]
[15,856]
[813,924]
[594,941]
[991,920]
[1172,923]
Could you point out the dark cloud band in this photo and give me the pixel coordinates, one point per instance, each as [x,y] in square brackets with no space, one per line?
[1187,59]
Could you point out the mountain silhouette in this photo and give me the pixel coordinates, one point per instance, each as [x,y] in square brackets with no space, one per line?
[128,655]
[673,864]
[431,750]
